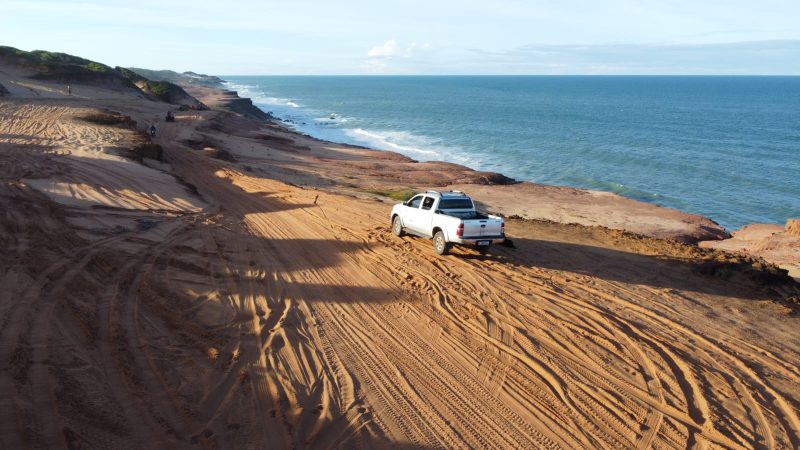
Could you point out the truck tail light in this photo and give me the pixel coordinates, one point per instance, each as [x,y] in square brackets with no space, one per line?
[460,230]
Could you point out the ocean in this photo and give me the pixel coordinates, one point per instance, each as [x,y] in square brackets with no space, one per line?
[727,148]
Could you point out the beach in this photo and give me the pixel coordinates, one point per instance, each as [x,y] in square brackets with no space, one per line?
[240,288]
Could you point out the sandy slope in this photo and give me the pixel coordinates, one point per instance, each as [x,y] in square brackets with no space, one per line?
[137,315]
[777,244]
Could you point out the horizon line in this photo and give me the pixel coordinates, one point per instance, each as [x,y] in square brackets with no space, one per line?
[510,75]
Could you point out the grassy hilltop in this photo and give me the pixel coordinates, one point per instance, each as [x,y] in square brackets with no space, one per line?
[55,66]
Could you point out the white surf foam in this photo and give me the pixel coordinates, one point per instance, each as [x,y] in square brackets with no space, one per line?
[331,126]
[258,97]
[399,141]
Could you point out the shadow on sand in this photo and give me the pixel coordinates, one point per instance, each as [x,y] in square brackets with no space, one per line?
[734,277]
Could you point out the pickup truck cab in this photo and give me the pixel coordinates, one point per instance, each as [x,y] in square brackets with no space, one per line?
[448,218]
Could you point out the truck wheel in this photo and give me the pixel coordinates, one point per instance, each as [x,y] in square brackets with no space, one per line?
[397,227]
[440,244]
[482,249]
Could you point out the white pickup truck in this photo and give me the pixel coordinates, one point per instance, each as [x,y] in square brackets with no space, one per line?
[449,218]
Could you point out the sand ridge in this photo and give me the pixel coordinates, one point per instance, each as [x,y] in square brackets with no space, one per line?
[778,244]
[247,312]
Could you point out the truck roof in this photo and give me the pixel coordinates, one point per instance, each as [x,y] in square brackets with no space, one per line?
[446,194]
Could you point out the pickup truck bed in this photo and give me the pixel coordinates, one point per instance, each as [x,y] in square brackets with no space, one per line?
[474,215]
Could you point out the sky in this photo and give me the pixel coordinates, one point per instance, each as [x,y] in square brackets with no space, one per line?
[417,37]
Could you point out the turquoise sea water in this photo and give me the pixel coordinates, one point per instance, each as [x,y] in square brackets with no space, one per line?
[724,147]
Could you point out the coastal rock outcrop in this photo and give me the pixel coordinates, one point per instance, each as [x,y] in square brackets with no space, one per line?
[776,244]
[562,204]
[243,106]
[493,178]
[793,227]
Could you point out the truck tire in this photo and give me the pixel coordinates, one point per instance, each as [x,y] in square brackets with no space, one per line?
[397,226]
[440,244]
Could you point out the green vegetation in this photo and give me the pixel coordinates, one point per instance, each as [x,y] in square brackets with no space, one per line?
[97,67]
[130,75]
[167,92]
[161,89]
[45,58]
[73,69]
[400,195]
[54,65]
[178,78]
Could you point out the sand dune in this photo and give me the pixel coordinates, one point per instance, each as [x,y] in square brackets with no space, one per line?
[85,166]
[136,313]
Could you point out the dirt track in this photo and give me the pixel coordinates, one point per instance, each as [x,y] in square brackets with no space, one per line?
[266,315]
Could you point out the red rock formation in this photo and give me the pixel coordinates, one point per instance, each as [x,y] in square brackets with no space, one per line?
[793,227]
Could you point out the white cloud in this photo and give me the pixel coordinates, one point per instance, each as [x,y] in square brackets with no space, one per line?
[380,57]
[392,49]
[387,50]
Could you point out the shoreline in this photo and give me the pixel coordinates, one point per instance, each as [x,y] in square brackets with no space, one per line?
[564,204]
[603,157]
[500,194]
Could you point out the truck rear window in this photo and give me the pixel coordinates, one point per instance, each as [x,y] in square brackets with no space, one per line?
[455,203]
